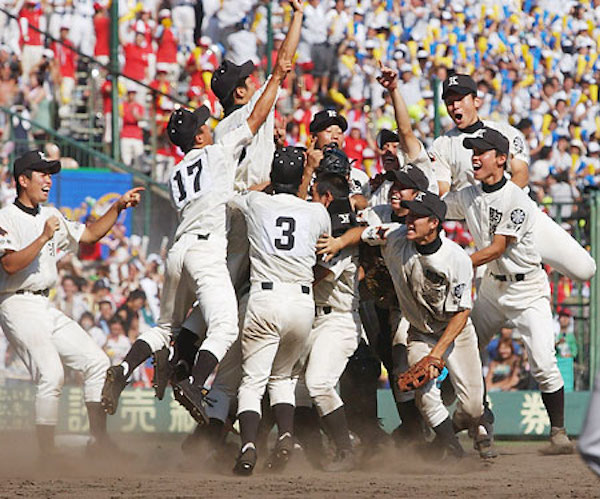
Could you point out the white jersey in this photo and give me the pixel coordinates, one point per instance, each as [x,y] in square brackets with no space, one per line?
[422,162]
[431,288]
[283,231]
[506,211]
[18,229]
[202,183]
[359,183]
[452,161]
[255,159]
[339,289]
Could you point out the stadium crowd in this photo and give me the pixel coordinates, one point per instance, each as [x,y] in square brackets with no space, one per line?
[535,61]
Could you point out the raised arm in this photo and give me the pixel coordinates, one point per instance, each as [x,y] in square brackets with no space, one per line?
[409,143]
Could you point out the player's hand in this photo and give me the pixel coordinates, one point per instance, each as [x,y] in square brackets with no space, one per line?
[434,372]
[376,181]
[328,246]
[130,199]
[50,227]
[297,5]
[282,68]
[313,157]
[388,78]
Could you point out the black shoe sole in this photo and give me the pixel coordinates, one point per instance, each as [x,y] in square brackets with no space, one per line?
[197,413]
[109,401]
[160,382]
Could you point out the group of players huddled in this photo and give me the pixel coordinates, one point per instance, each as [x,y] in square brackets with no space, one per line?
[302,276]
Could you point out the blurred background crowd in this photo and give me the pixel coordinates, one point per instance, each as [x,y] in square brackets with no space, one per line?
[535,61]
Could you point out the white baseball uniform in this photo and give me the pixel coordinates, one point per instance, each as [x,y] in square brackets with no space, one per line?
[335,333]
[432,285]
[201,184]
[283,231]
[589,439]
[42,336]
[452,164]
[254,168]
[514,287]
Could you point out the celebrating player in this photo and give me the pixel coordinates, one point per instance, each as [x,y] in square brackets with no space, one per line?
[44,337]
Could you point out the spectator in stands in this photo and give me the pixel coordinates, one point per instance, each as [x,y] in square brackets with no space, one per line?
[566,342]
[505,334]
[102,31]
[69,299]
[184,19]
[503,373]
[88,324]
[117,343]
[131,312]
[132,143]
[105,313]
[31,21]
[167,41]
[38,100]
[67,64]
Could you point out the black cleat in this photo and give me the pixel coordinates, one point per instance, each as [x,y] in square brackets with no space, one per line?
[162,371]
[113,386]
[245,462]
[345,460]
[193,399]
[281,453]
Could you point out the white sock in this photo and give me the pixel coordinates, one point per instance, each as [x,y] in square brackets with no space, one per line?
[125,367]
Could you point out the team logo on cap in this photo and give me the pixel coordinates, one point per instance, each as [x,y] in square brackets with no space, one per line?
[419,196]
[331,113]
[453,80]
[43,156]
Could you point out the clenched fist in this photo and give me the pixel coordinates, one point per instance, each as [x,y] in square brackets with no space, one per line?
[50,227]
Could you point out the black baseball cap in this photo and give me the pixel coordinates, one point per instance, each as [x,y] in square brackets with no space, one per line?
[326,118]
[183,126]
[384,136]
[287,167]
[411,177]
[427,204]
[460,84]
[37,161]
[486,140]
[226,77]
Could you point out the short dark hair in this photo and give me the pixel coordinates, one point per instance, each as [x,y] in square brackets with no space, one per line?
[334,183]
[28,173]
[136,294]
[115,319]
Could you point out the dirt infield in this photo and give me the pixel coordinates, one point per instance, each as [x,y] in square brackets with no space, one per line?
[160,470]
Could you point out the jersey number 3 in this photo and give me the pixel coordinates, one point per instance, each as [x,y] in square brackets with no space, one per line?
[196,167]
[288,225]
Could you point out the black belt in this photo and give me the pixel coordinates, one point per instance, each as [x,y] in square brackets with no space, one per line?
[41,292]
[505,278]
[203,237]
[269,285]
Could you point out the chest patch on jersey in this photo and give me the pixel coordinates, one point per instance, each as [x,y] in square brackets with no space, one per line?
[495,217]
[518,145]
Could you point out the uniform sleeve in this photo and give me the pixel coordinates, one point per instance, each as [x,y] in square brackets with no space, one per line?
[454,204]
[518,146]
[242,200]
[235,140]
[440,165]
[516,220]
[377,235]
[337,265]
[8,237]
[459,290]
[423,163]
[68,234]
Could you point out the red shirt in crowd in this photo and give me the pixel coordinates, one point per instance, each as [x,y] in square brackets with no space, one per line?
[136,61]
[354,150]
[201,60]
[132,113]
[66,57]
[167,46]
[106,91]
[30,16]
[102,29]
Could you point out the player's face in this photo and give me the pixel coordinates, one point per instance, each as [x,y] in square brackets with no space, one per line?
[204,137]
[420,228]
[462,109]
[399,193]
[487,165]
[333,133]
[37,188]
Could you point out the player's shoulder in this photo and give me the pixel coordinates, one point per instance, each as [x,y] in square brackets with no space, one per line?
[454,254]
[450,134]
[358,174]
[503,127]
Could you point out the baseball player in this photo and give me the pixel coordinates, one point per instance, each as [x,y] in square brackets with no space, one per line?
[452,165]
[589,439]
[515,288]
[238,96]
[336,329]
[432,278]
[201,184]
[31,235]
[327,130]
[283,230]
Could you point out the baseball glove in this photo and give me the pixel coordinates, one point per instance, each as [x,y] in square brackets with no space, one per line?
[418,374]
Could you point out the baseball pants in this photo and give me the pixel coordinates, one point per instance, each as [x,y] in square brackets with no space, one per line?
[463,363]
[332,341]
[45,338]
[197,264]
[533,319]
[589,440]
[277,326]
[560,250]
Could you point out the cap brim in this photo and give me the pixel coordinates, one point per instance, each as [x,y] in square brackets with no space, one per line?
[201,115]
[478,143]
[417,207]
[51,167]
[404,179]
[459,91]
[385,136]
[247,69]
[334,120]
